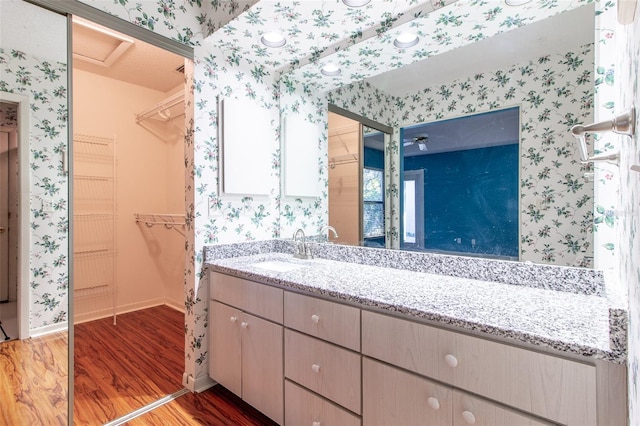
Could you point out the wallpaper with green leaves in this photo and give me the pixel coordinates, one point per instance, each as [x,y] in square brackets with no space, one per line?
[45,83]
[626,58]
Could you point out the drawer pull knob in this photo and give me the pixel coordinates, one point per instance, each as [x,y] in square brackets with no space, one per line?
[315,368]
[433,403]
[233,319]
[244,324]
[316,424]
[469,417]
[451,360]
[315,319]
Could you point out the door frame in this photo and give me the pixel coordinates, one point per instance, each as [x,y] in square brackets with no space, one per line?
[24,240]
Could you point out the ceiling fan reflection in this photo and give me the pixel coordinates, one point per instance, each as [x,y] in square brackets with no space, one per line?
[420,140]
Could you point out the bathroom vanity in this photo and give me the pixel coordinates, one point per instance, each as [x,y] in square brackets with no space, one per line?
[323,341]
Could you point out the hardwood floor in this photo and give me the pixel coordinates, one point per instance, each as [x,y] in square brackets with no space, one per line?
[216,406]
[121,368]
[33,381]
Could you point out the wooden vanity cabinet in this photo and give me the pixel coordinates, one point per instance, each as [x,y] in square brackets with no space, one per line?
[246,351]
[304,360]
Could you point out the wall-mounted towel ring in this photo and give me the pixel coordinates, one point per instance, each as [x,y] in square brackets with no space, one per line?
[623,124]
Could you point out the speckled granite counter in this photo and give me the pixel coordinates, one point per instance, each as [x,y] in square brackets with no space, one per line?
[568,321]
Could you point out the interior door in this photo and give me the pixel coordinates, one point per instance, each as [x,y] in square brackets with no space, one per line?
[4,216]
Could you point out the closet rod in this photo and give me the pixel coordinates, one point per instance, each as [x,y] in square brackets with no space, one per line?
[160,107]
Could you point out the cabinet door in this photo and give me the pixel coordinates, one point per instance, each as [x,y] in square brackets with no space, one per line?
[469,410]
[225,365]
[262,370]
[391,396]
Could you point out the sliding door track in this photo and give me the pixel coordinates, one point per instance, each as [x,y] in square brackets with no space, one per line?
[147,408]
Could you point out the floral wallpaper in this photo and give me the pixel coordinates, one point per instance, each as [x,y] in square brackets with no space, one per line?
[185,21]
[628,93]
[553,92]
[606,185]
[456,24]
[45,82]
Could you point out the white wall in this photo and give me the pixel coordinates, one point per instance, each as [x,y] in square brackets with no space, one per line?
[150,179]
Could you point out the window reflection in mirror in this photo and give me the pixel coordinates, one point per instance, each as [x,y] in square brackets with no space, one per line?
[460,185]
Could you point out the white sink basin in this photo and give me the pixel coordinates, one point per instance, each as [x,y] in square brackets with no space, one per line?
[277,265]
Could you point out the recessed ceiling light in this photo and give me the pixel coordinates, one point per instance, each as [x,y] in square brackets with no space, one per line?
[330,69]
[356,3]
[273,39]
[516,2]
[405,40]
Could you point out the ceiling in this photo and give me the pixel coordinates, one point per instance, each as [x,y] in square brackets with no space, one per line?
[105,52]
[555,34]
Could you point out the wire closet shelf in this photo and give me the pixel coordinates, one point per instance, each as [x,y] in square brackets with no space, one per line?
[168,221]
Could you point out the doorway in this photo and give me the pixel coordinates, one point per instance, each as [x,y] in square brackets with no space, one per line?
[128,216]
[8,231]
[14,148]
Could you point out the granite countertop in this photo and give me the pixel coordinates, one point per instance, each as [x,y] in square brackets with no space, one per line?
[564,321]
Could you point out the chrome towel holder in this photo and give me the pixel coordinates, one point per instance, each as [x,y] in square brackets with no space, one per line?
[623,124]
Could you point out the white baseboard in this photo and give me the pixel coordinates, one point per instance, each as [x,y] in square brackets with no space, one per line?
[175,305]
[49,329]
[200,384]
[131,307]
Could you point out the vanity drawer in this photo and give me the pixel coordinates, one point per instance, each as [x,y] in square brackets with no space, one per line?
[306,408]
[326,369]
[468,410]
[258,299]
[551,387]
[415,347]
[391,396]
[326,320]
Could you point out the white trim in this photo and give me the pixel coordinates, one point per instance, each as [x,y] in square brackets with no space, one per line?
[200,384]
[49,329]
[131,307]
[24,188]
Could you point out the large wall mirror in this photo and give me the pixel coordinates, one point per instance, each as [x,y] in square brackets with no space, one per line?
[541,69]
[34,296]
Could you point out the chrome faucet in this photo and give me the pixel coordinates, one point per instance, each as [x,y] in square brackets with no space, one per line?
[301,251]
[326,228]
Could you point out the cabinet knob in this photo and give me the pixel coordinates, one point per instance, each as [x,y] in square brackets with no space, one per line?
[451,361]
[233,319]
[315,319]
[469,417]
[244,324]
[315,424]
[315,368]
[433,403]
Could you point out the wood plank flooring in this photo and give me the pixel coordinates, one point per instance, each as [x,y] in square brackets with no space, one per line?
[33,381]
[121,368]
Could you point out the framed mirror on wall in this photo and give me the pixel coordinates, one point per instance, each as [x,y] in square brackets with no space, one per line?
[544,67]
